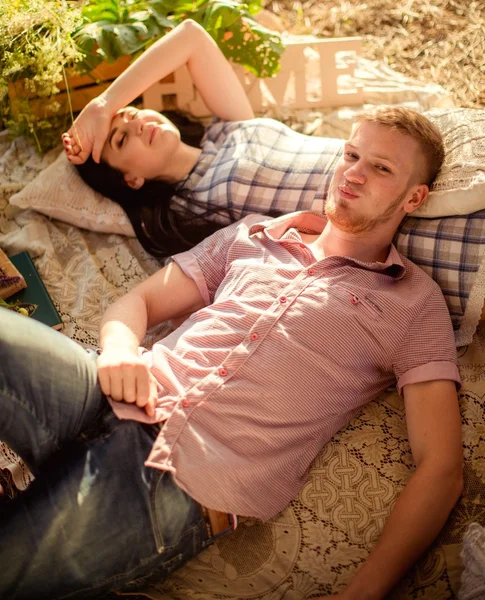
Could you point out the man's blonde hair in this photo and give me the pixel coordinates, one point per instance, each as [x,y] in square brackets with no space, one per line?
[417,126]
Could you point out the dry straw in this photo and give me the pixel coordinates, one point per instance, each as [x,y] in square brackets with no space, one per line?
[439,41]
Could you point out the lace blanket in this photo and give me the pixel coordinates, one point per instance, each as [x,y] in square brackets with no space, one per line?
[318,542]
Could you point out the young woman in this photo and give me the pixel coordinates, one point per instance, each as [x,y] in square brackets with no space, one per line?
[174,192]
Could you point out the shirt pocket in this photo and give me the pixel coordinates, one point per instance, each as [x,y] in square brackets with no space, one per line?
[363,306]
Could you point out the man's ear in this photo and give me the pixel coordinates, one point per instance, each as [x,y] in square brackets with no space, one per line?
[417,198]
[134,181]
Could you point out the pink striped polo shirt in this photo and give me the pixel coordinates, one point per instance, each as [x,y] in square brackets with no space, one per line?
[287,349]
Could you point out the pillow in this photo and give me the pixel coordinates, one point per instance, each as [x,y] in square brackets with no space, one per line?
[60,193]
[452,251]
[459,188]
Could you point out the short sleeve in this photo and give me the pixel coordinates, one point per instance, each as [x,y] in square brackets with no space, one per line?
[207,263]
[427,351]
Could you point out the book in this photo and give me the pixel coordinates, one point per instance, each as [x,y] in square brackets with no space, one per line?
[35,292]
[11,280]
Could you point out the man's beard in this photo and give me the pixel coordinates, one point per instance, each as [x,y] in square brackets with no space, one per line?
[344,220]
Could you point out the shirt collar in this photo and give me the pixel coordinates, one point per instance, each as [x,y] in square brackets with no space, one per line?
[313,222]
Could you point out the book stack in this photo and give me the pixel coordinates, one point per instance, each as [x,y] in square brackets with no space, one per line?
[25,290]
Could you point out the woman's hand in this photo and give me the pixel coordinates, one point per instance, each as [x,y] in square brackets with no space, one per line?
[125,377]
[88,132]
[188,44]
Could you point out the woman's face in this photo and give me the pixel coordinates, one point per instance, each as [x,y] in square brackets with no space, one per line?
[141,144]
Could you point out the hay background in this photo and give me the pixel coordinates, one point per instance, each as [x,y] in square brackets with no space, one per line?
[439,41]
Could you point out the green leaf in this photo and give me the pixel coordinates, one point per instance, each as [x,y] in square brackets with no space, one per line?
[143,15]
[251,45]
[117,40]
[161,14]
[103,11]
[254,7]
[179,6]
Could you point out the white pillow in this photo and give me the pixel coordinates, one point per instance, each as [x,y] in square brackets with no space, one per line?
[60,193]
[459,188]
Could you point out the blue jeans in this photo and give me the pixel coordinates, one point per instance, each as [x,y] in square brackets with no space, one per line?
[95,519]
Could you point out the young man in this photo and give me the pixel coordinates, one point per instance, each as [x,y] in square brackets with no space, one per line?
[296,323]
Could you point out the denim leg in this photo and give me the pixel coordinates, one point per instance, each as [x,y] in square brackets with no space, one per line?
[49,391]
[97,519]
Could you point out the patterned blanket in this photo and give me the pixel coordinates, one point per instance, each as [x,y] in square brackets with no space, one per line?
[316,544]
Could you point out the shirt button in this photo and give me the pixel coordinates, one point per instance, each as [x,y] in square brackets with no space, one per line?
[354,300]
[283,299]
[311,271]
[254,336]
[222,372]
[185,403]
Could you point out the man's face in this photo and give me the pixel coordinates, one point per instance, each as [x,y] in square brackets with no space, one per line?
[374,179]
[140,143]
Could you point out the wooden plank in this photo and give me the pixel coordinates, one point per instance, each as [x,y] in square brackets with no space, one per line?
[79,99]
[103,72]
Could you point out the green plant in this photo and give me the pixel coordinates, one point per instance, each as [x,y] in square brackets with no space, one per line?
[115,28]
[40,38]
[35,45]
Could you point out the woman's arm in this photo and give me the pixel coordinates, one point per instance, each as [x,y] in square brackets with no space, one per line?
[188,44]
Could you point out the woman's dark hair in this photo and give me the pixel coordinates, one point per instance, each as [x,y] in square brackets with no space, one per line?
[165,217]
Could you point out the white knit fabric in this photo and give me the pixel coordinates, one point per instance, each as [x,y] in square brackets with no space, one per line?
[60,193]
[473,556]
[459,188]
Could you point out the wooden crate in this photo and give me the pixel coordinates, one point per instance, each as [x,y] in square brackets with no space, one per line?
[290,87]
[83,88]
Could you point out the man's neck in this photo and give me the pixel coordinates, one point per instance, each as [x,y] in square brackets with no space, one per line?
[367,247]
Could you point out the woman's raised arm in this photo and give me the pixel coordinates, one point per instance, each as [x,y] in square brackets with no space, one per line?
[188,44]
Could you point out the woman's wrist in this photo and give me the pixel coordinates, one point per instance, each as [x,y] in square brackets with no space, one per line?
[106,102]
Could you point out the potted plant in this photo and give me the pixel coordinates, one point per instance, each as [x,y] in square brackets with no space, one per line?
[52,46]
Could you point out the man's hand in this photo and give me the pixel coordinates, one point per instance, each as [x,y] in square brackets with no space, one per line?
[88,132]
[125,377]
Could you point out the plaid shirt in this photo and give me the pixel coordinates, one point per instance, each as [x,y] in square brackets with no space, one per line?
[260,166]
[285,352]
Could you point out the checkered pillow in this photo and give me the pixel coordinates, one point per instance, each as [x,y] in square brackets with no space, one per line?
[452,251]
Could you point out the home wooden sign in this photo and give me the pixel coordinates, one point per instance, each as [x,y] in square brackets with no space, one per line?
[328,62]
